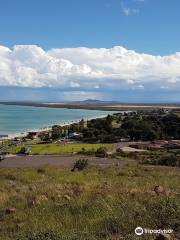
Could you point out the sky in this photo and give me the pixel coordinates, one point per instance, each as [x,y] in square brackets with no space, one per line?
[122,50]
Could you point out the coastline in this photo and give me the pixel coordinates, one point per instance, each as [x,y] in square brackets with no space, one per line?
[101,106]
[44,129]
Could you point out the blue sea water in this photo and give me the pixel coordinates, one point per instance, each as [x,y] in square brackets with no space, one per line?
[19,119]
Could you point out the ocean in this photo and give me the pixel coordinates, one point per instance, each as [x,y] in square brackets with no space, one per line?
[20,119]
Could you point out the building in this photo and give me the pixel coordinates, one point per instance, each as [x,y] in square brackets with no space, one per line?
[3,136]
[73,135]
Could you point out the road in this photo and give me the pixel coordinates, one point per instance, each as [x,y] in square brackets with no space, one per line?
[59,161]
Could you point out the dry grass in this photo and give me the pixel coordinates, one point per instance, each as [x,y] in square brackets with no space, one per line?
[91,204]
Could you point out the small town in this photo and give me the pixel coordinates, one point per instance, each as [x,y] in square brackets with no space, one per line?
[120,133]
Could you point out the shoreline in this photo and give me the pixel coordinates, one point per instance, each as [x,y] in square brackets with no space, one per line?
[49,128]
[113,108]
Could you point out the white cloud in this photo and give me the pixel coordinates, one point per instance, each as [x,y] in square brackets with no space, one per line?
[127,10]
[74,84]
[140,86]
[163,87]
[87,68]
[129,81]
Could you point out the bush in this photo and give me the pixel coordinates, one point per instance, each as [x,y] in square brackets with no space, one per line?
[22,150]
[171,160]
[45,138]
[101,152]
[80,164]
[41,170]
[167,160]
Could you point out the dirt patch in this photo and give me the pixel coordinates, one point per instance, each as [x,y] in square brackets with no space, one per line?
[60,161]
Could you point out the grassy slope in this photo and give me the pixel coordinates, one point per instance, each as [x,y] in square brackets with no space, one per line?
[101,203]
[60,149]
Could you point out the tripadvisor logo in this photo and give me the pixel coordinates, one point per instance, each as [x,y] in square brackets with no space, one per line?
[139,231]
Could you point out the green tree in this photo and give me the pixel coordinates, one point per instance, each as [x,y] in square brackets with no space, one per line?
[56,132]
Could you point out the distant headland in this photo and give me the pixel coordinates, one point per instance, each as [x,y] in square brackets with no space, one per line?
[94,104]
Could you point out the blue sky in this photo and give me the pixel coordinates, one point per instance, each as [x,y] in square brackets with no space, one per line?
[144,26]
[92,23]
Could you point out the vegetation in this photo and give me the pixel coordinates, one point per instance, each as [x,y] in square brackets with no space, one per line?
[45,137]
[94,204]
[22,150]
[57,132]
[57,149]
[101,152]
[80,164]
[162,158]
[143,125]
[41,236]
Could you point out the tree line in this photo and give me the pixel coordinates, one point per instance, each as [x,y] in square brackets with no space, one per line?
[133,126]
[144,127]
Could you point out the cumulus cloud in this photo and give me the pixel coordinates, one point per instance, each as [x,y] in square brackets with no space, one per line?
[87,69]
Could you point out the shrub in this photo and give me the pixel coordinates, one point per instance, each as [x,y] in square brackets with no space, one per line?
[41,170]
[80,164]
[101,152]
[45,138]
[22,150]
[166,160]
[170,160]
[25,150]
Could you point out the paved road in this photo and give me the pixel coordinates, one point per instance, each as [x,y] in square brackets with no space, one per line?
[60,161]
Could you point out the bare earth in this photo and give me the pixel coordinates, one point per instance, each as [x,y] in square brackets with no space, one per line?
[59,161]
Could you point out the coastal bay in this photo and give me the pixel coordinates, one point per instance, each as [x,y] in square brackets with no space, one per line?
[15,119]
